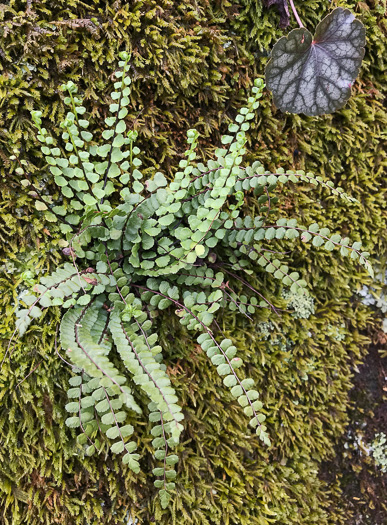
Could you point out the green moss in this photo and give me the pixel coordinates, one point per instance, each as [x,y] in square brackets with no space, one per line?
[192,65]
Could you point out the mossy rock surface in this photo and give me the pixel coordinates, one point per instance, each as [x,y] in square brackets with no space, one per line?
[192,66]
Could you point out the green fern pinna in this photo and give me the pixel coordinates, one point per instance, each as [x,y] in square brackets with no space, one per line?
[176,246]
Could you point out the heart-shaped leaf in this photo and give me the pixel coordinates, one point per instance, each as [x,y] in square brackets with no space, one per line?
[314,75]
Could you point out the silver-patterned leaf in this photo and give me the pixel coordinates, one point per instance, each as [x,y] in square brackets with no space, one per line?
[314,75]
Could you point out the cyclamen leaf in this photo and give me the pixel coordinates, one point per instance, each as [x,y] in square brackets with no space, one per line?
[314,75]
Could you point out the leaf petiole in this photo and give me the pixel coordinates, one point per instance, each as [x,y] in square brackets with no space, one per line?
[296,14]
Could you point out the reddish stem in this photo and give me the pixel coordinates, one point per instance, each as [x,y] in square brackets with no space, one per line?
[296,14]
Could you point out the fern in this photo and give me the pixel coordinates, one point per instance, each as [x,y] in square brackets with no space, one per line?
[173,246]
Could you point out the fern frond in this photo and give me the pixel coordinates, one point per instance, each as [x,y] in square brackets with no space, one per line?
[137,354]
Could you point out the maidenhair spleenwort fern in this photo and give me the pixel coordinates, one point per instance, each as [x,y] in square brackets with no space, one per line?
[173,246]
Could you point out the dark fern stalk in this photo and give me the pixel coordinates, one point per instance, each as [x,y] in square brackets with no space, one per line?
[165,246]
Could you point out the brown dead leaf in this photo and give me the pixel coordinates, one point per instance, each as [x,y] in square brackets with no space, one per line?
[91,281]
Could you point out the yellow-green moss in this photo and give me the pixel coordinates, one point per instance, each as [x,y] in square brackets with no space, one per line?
[191,62]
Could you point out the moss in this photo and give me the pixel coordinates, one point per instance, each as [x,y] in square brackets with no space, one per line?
[192,63]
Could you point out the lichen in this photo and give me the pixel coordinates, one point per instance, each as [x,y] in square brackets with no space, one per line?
[379,451]
[301,304]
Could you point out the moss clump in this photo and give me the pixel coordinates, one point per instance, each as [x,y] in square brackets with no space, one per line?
[192,62]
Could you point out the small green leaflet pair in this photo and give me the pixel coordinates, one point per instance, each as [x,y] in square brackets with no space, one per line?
[187,246]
